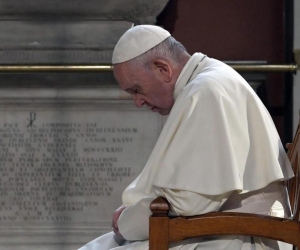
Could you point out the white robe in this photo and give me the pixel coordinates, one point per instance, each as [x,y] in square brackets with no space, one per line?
[219,146]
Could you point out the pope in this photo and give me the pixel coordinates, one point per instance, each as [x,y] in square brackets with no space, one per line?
[218,151]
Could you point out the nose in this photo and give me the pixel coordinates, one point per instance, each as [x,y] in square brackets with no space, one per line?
[138,101]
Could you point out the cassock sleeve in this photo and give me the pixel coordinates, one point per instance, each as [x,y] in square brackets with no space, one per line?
[133,222]
[186,203]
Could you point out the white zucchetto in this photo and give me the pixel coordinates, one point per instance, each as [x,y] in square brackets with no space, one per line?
[138,40]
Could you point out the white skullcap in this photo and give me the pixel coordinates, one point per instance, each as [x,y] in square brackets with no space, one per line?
[138,40]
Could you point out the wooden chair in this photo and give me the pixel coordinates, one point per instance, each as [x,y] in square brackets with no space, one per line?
[164,230]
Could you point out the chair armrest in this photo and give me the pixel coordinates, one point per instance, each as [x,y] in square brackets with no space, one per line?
[220,223]
[228,223]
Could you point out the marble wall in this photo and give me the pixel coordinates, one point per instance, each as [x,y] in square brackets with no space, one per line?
[65,162]
[69,142]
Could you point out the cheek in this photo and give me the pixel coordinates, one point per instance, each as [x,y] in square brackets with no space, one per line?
[169,99]
[160,97]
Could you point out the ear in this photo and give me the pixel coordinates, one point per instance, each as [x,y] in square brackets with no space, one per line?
[163,69]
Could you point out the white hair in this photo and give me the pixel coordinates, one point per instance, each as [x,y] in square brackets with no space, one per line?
[169,49]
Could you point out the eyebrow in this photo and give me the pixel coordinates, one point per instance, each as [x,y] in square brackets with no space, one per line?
[130,89]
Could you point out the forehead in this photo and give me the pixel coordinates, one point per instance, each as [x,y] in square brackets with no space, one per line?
[121,72]
[126,76]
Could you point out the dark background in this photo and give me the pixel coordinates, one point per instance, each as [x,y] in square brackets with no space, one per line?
[235,30]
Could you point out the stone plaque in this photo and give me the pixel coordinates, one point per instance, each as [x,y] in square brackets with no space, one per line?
[63,169]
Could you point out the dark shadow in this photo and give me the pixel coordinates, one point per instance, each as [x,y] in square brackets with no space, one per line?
[168,16]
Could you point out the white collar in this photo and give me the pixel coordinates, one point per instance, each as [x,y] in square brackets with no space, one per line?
[187,73]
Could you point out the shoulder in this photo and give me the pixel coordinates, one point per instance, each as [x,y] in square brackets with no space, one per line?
[203,84]
[218,78]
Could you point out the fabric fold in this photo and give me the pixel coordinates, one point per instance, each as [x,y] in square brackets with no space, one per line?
[219,122]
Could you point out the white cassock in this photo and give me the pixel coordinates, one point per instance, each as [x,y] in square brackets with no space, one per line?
[218,151]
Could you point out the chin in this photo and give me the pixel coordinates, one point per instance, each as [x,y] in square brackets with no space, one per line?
[164,112]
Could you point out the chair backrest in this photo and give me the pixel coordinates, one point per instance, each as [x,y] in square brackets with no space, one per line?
[293,184]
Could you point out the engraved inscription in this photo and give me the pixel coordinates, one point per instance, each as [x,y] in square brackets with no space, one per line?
[72,167]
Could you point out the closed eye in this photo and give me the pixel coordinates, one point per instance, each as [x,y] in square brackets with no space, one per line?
[134,90]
